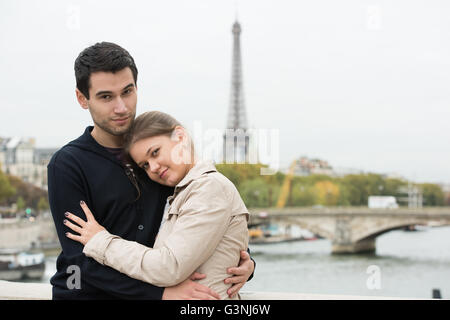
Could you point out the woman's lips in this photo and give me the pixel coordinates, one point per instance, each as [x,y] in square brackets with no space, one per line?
[163,174]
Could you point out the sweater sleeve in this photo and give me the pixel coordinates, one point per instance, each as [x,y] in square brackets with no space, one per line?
[66,188]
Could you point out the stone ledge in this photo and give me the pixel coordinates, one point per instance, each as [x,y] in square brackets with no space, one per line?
[43,291]
[25,291]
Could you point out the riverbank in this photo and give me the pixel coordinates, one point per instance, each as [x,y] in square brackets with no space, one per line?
[406,264]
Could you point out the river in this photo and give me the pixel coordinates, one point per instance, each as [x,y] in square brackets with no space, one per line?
[405,264]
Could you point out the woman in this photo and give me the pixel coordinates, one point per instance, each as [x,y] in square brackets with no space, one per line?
[204,228]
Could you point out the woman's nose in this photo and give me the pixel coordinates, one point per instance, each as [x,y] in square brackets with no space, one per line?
[154,166]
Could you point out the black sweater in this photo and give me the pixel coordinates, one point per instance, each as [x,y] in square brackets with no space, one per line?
[84,170]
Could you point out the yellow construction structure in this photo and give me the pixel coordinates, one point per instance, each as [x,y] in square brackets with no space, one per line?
[286,187]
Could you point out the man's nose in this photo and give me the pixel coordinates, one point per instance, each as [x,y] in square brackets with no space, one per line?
[120,106]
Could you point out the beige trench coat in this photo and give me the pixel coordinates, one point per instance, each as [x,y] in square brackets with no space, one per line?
[203,230]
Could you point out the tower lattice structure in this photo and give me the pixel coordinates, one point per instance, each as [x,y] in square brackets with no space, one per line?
[236,138]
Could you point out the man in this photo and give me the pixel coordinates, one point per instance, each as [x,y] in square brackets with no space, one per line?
[122,198]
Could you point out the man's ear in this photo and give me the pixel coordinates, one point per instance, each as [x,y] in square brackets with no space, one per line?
[82,100]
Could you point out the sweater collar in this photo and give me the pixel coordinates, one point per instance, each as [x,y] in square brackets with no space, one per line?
[87,142]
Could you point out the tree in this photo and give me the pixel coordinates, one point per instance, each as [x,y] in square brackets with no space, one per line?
[20,203]
[344,195]
[393,187]
[432,194]
[29,193]
[43,204]
[255,193]
[245,175]
[350,190]
[303,194]
[6,189]
[327,193]
[230,172]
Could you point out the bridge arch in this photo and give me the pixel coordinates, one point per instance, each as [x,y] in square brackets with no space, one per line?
[321,227]
[375,232]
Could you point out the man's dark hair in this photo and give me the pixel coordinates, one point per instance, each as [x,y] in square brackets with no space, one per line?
[103,56]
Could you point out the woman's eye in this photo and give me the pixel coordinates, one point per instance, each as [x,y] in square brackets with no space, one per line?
[155,152]
[145,166]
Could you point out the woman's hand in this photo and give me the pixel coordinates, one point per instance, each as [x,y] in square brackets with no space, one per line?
[86,229]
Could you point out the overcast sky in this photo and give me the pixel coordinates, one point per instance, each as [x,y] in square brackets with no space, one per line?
[361,84]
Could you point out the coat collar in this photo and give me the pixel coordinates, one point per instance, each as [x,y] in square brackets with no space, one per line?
[200,168]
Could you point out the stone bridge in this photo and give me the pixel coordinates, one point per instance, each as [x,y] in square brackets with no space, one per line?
[352,229]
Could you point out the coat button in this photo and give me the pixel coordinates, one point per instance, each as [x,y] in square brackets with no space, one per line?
[141,227]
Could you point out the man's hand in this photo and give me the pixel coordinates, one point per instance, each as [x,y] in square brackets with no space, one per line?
[190,290]
[241,274]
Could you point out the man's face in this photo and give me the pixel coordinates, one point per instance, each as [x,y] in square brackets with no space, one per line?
[112,100]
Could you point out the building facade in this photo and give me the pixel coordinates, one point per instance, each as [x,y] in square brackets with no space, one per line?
[306,167]
[20,157]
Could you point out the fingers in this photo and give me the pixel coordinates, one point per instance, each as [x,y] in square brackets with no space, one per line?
[206,292]
[197,276]
[73,237]
[245,255]
[72,226]
[75,219]
[234,289]
[236,271]
[246,266]
[210,296]
[214,294]
[87,211]
[202,296]
[235,279]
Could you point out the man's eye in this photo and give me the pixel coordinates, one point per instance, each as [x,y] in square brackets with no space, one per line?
[106,97]
[127,91]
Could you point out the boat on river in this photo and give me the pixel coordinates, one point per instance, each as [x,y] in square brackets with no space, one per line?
[273,233]
[16,264]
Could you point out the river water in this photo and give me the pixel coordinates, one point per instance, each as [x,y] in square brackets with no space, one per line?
[405,264]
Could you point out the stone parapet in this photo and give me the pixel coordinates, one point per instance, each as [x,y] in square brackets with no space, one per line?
[43,291]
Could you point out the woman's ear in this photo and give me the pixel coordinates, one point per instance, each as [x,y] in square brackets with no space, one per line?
[179,134]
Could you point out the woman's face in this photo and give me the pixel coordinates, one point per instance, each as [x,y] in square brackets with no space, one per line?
[165,159]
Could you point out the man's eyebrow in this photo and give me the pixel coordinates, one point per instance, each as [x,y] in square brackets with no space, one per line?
[131,85]
[102,93]
[110,92]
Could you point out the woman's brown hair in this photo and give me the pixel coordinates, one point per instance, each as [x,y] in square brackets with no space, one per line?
[150,124]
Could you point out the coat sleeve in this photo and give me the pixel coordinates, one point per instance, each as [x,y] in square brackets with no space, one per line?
[66,189]
[201,225]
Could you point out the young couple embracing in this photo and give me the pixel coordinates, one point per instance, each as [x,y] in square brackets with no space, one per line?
[134,208]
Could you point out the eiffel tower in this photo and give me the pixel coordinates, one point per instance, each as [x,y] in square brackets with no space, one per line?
[236,139]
